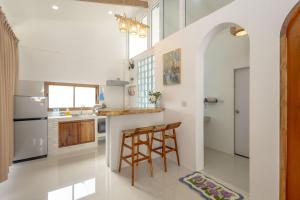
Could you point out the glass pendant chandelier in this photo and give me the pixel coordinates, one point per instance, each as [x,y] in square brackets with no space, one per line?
[132,26]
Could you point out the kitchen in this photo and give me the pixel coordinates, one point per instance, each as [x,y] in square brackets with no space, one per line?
[47,56]
[62,118]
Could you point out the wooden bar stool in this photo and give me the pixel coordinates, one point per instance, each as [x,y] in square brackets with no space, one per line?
[136,135]
[164,149]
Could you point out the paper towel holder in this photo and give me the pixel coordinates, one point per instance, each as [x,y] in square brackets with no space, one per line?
[210,100]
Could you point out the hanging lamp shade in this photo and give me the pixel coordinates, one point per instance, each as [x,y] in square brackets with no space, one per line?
[143,31]
[238,31]
[123,25]
[133,28]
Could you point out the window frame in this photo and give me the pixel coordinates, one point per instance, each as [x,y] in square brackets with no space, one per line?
[156,5]
[74,85]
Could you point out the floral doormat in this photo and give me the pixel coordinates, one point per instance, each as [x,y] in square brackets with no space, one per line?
[208,188]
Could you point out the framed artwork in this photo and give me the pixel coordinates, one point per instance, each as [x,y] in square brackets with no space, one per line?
[172,67]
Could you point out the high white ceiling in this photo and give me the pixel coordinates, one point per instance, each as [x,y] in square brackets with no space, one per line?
[21,10]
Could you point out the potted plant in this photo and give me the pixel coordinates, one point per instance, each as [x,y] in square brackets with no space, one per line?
[131,65]
[154,98]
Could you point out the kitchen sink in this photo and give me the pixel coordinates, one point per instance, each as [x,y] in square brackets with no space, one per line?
[82,115]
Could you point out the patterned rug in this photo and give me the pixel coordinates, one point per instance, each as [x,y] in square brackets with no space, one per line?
[208,188]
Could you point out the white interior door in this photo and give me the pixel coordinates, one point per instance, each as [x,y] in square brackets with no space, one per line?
[241,112]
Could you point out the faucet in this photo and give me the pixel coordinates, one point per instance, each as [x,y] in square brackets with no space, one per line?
[81,110]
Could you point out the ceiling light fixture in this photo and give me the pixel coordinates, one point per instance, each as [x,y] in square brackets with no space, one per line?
[55,7]
[238,31]
[110,12]
[132,26]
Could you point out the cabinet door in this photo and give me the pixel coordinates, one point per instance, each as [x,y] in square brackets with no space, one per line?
[87,131]
[68,133]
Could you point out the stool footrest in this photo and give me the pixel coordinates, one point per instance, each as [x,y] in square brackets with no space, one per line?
[125,158]
[157,148]
[156,151]
[169,149]
[169,137]
[126,145]
[129,156]
[141,159]
[156,139]
[136,144]
[141,143]
[127,161]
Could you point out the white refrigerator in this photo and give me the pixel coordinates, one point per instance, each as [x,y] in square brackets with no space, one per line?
[30,128]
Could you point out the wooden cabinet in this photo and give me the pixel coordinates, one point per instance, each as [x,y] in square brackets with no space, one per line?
[68,133]
[76,132]
[87,131]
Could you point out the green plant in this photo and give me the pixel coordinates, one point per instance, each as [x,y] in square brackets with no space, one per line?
[154,96]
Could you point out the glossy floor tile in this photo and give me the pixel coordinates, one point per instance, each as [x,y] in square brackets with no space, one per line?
[84,175]
[232,169]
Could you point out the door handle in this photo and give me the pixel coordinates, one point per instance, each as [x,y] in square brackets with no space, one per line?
[237,111]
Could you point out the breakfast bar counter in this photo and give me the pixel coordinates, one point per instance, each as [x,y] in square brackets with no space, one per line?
[119,119]
[127,111]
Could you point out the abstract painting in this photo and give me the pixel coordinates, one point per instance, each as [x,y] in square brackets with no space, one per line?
[172,67]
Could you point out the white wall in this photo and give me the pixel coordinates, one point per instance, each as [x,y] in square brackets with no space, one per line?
[263,21]
[70,51]
[80,42]
[224,54]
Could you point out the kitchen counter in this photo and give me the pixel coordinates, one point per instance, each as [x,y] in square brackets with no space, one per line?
[127,111]
[73,117]
[119,119]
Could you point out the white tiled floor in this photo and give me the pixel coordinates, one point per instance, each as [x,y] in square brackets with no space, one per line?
[234,170]
[86,174]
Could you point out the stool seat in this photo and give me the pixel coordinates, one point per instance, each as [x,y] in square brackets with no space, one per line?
[128,132]
[159,128]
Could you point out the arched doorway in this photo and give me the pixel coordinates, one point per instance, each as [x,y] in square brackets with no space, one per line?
[226,70]
[290,107]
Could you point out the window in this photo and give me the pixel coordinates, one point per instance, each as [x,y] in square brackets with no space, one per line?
[155,29]
[85,96]
[171,17]
[60,96]
[72,96]
[137,44]
[146,81]
[195,10]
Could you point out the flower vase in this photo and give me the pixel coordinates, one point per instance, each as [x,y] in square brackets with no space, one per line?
[157,103]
